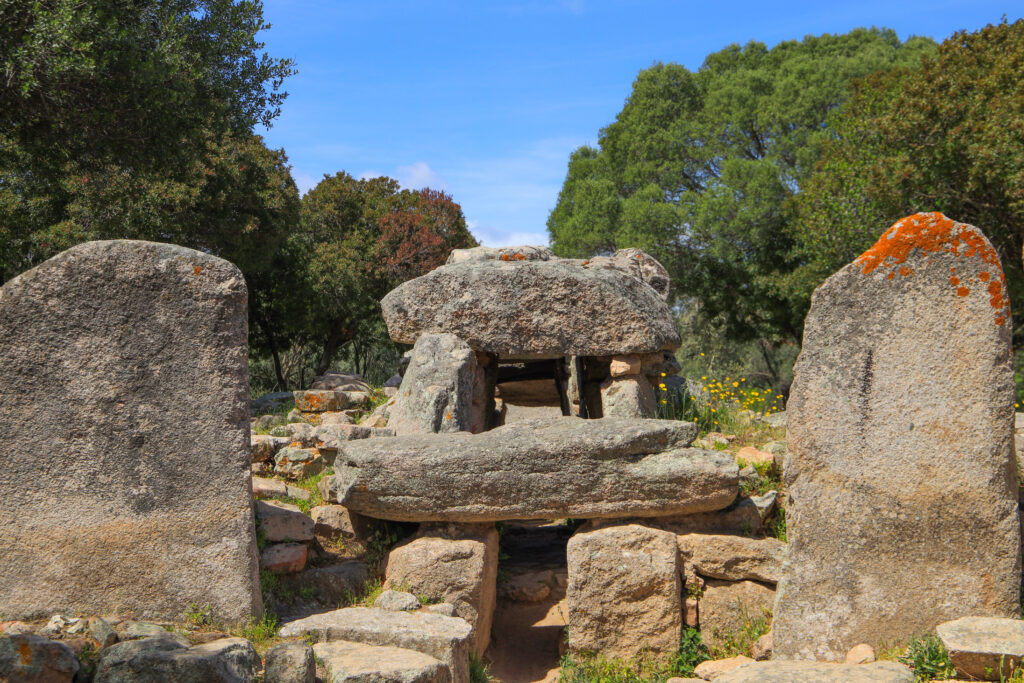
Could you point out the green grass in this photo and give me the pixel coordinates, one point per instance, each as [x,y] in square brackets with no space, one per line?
[274,588]
[927,656]
[478,671]
[259,632]
[197,616]
[642,669]
[310,484]
[740,642]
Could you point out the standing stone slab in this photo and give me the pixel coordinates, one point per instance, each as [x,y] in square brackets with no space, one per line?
[901,475]
[438,389]
[124,433]
[624,592]
[453,563]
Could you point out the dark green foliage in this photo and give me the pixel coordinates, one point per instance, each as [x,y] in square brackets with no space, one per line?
[928,658]
[699,168]
[948,136]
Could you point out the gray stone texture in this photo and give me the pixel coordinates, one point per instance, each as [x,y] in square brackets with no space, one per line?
[397,601]
[453,563]
[524,308]
[158,660]
[627,396]
[566,467]
[26,658]
[901,476]
[732,558]
[983,648]
[818,672]
[350,662]
[290,663]
[437,390]
[624,594]
[124,432]
[444,638]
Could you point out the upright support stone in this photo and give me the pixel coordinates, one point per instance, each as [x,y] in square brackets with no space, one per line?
[124,433]
[439,387]
[901,475]
[624,592]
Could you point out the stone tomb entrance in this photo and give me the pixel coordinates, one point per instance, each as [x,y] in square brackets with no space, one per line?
[550,337]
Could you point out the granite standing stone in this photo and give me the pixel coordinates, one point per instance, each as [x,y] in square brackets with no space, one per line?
[901,475]
[124,433]
[438,389]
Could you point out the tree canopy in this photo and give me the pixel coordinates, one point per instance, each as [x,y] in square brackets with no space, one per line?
[948,136]
[699,168]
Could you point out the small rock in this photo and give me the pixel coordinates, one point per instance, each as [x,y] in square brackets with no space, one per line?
[264,446]
[298,492]
[445,608]
[690,613]
[860,654]
[140,629]
[283,522]
[985,648]
[13,628]
[532,586]
[335,418]
[776,448]
[762,648]
[776,420]
[284,558]
[290,663]
[320,400]
[397,601]
[102,632]
[712,669]
[269,488]
[54,626]
[33,659]
[296,463]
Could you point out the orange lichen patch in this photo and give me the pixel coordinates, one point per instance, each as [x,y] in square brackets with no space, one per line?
[197,269]
[518,257]
[25,650]
[504,257]
[934,233]
[891,276]
[447,416]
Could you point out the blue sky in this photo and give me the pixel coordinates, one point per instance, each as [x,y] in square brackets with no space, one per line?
[486,100]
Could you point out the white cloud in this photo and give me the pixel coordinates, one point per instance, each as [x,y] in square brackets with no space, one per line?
[366,175]
[419,175]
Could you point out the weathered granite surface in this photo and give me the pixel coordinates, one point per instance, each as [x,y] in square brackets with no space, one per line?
[124,432]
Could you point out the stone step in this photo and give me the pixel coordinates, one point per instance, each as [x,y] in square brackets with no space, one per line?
[351,662]
[444,638]
[818,672]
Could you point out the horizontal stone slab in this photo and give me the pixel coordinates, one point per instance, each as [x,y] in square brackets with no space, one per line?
[527,308]
[545,469]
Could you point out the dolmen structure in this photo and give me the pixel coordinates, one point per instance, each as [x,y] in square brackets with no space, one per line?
[526,405]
